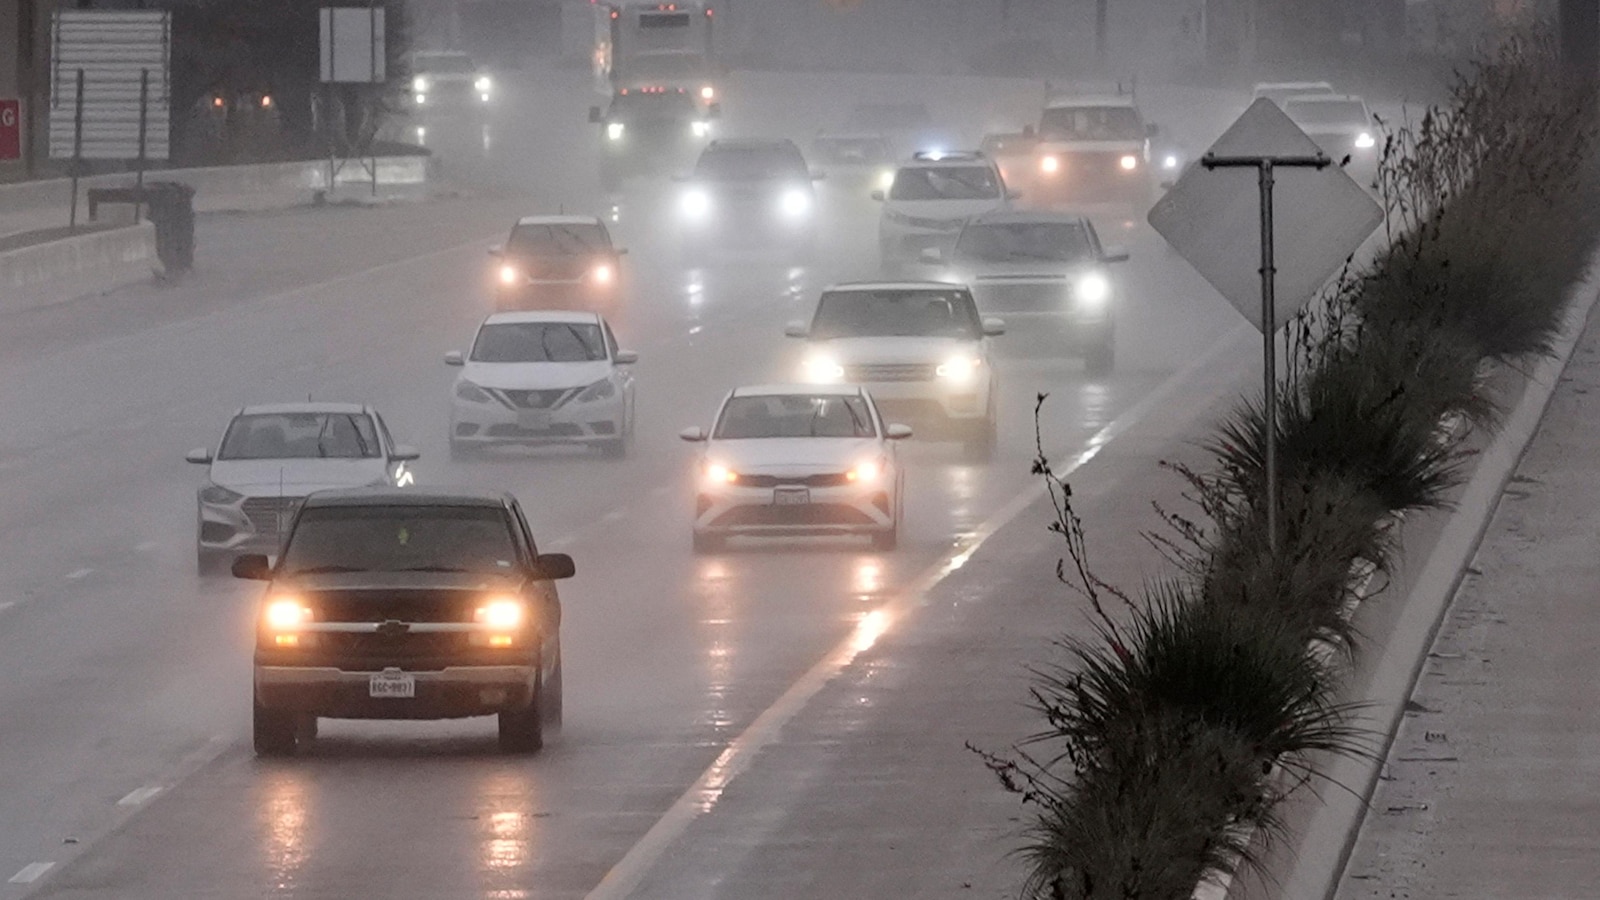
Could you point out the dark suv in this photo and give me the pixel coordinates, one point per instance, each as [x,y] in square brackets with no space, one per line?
[558,262]
[393,603]
[749,193]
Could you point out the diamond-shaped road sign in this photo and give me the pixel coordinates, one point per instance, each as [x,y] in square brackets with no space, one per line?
[1212,218]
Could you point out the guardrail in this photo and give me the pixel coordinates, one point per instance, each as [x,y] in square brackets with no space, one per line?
[57,271]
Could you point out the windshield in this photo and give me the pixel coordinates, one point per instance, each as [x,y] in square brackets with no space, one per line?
[1092,123]
[1327,112]
[300,436]
[443,64]
[400,539]
[878,117]
[665,105]
[529,342]
[795,415]
[751,165]
[945,183]
[896,313]
[1016,242]
[576,239]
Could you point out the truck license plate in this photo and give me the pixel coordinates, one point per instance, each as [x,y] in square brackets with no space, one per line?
[791,497]
[392,684]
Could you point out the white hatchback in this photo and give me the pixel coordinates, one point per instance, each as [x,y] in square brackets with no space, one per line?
[539,378]
[798,459]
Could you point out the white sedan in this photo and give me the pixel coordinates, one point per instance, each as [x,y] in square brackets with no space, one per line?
[801,459]
[540,378]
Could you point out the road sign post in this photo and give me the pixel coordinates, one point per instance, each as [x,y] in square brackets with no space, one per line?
[1210,219]
[1264,166]
[77,149]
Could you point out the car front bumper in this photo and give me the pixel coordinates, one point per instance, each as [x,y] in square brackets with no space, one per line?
[492,423]
[842,510]
[248,525]
[448,693]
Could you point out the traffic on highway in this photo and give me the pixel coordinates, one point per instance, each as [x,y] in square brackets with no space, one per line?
[439,547]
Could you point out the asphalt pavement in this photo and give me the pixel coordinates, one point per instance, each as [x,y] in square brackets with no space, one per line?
[125,768]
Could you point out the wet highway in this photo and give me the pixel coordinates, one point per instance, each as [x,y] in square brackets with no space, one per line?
[125,765]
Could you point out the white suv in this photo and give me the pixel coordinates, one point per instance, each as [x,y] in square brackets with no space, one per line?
[919,347]
[931,196]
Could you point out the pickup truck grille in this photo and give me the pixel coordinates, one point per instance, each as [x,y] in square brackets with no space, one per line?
[378,606]
[867,374]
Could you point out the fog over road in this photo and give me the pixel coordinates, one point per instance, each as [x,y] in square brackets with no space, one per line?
[125,759]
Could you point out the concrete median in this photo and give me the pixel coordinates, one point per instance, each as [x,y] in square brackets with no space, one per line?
[60,270]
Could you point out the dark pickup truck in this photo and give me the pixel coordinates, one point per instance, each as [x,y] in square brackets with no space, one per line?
[391,603]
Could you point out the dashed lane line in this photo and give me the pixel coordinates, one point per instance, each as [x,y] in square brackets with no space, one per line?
[139,795]
[31,872]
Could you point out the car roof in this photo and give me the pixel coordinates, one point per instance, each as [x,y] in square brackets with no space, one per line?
[1027,216]
[572,316]
[1325,98]
[1068,101]
[559,220]
[767,390]
[409,496]
[892,286]
[752,144]
[263,409]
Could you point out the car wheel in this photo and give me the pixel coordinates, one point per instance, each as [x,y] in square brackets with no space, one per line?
[209,563]
[708,543]
[522,730]
[1101,358]
[275,732]
[550,698]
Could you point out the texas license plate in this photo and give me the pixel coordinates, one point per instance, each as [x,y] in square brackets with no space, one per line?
[392,684]
[791,497]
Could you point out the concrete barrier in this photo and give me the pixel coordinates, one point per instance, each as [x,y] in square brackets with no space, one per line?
[57,271]
[30,205]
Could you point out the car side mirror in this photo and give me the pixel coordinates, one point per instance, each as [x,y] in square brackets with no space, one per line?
[994,327]
[933,256]
[693,435]
[200,456]
[879,196]
[897,432]
[404,453]
[594,115]
[454,358]
[553,567]
[1113,255]
[796,330]
[497,250]
[252,567]
[626,357]
[1151,129]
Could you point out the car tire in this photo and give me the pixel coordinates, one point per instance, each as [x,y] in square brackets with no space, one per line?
[1101,357]
[210,563]
[274,732]
[708,543]
[522,730]
[550,698]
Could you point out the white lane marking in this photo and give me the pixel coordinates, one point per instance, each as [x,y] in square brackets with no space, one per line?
[703,795]
[31,872]
[139,795]
[80,574]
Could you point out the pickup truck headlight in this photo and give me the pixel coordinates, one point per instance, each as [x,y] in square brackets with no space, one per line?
[794,203]
[216,493]
[959,369]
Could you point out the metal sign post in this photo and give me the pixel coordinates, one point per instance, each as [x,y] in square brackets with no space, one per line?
[1264,166]
[144,126]
[77,150]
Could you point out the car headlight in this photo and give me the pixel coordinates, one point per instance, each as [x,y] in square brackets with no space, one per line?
[420,84]
[603,274]
[865,472]
[1050,165]
[501,613]
[483,84]
[600,390]
[216,493]
[1129,162]
[471,393]
[700,128]
[421,98]
[959,369]
[885,179]
[794,203]
[614,131]
[1092,291]
[822,370]
[696,203]
[716,474]
[285,614]
[1365,141]
[509,274]
[1170,161]
[708,93]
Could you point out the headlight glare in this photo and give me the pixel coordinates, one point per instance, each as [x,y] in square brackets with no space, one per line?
[794,203]
[700,128]
[509,274]
[708,93]
[483,84]
[603,274]
[1365,141]
[471,393]
[420,84]
[500,613]
[866,472]
[717,473]
[822,370]
[614,130]
[216,493]
[1050,165]
[885,179]
[1129,162]
[959,369]
[1170,161]
[696,203]
[1093,290]
[285,614]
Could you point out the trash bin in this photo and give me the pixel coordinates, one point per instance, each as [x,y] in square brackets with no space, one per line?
[171,206]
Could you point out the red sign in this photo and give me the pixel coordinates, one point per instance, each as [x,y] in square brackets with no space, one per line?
[10,129]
